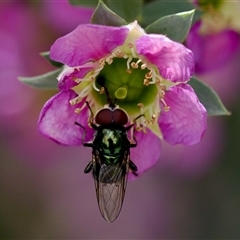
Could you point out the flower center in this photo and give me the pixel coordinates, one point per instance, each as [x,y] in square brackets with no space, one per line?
[137,86]
[129,86]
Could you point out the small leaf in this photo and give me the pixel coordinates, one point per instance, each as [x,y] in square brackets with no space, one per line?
[88,3]
[158,9]
[175,26]
[130,10]
[209,98]
[47,57]
[105,16]
[44,81]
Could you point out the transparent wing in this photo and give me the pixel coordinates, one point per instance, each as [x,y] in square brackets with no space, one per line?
[110,184]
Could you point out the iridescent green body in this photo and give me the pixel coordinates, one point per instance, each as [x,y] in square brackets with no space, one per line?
[110,162]
[110,166]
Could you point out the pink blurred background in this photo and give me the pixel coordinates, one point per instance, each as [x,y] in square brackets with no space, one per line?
[192,192]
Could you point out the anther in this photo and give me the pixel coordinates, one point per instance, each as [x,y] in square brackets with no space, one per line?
[166,108]
[161,94]
[75,100]
[77,110]
[154,116]
[130,45]
[146,82]
[134,65]
[148,75]
[102,90]
[141,105]
[109,60]
[76,80]
[91,79]
[101,62]
[128,71]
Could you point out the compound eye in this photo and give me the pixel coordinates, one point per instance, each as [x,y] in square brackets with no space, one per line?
[104,116]
[120,117]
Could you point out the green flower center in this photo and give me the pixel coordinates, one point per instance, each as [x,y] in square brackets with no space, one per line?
[126,86]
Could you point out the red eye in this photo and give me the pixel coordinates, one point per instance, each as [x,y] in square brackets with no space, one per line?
[107,116]
[120,117]
[104,116]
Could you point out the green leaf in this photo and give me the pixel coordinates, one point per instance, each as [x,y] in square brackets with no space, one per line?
[158,9]
[47,57]
[44,81]
[105,16]
[209,98]
[87,3]
[130,10]
[175,26]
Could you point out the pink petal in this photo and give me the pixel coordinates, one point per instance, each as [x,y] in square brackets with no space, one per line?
[212,51]
[186,121]
[174,61]
[146,154]
[88,42]
[57,120]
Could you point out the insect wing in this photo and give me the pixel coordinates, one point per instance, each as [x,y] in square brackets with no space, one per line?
[110,184]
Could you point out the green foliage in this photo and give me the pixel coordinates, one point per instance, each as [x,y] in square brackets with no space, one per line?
[86,3]
[175,26]
[129,10]
[47,57]
[158,9]
[104,16]
[44,81]
[209,98]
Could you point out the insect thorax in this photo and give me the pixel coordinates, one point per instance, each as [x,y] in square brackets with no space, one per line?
[111,143]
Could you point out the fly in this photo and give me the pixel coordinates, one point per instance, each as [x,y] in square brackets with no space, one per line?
[110,162]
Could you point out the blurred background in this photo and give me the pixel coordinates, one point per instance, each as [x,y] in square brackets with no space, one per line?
[192,192]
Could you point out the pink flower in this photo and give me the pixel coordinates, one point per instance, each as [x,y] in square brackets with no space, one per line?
[147,74]
[212,50]
[215,38]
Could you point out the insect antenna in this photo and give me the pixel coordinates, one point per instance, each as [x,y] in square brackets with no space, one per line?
[101,82]
[109,99]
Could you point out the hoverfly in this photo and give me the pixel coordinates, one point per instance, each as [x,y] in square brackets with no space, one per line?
[110,162]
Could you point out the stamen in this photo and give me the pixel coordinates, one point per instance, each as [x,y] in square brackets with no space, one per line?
[77,110]
[102,90]
[146,82]
[148,75]
[141,105]
[94,86]
[131,46]
[128,62]
[154,116]
[109,60]
[165,108]
[76,80]
[134,65]
[102,62]
[75,100]
[143,66]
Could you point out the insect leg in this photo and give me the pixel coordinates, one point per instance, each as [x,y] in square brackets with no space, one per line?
[133,168]
[89,167]
[132,145]
[85,144]
[134,120]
